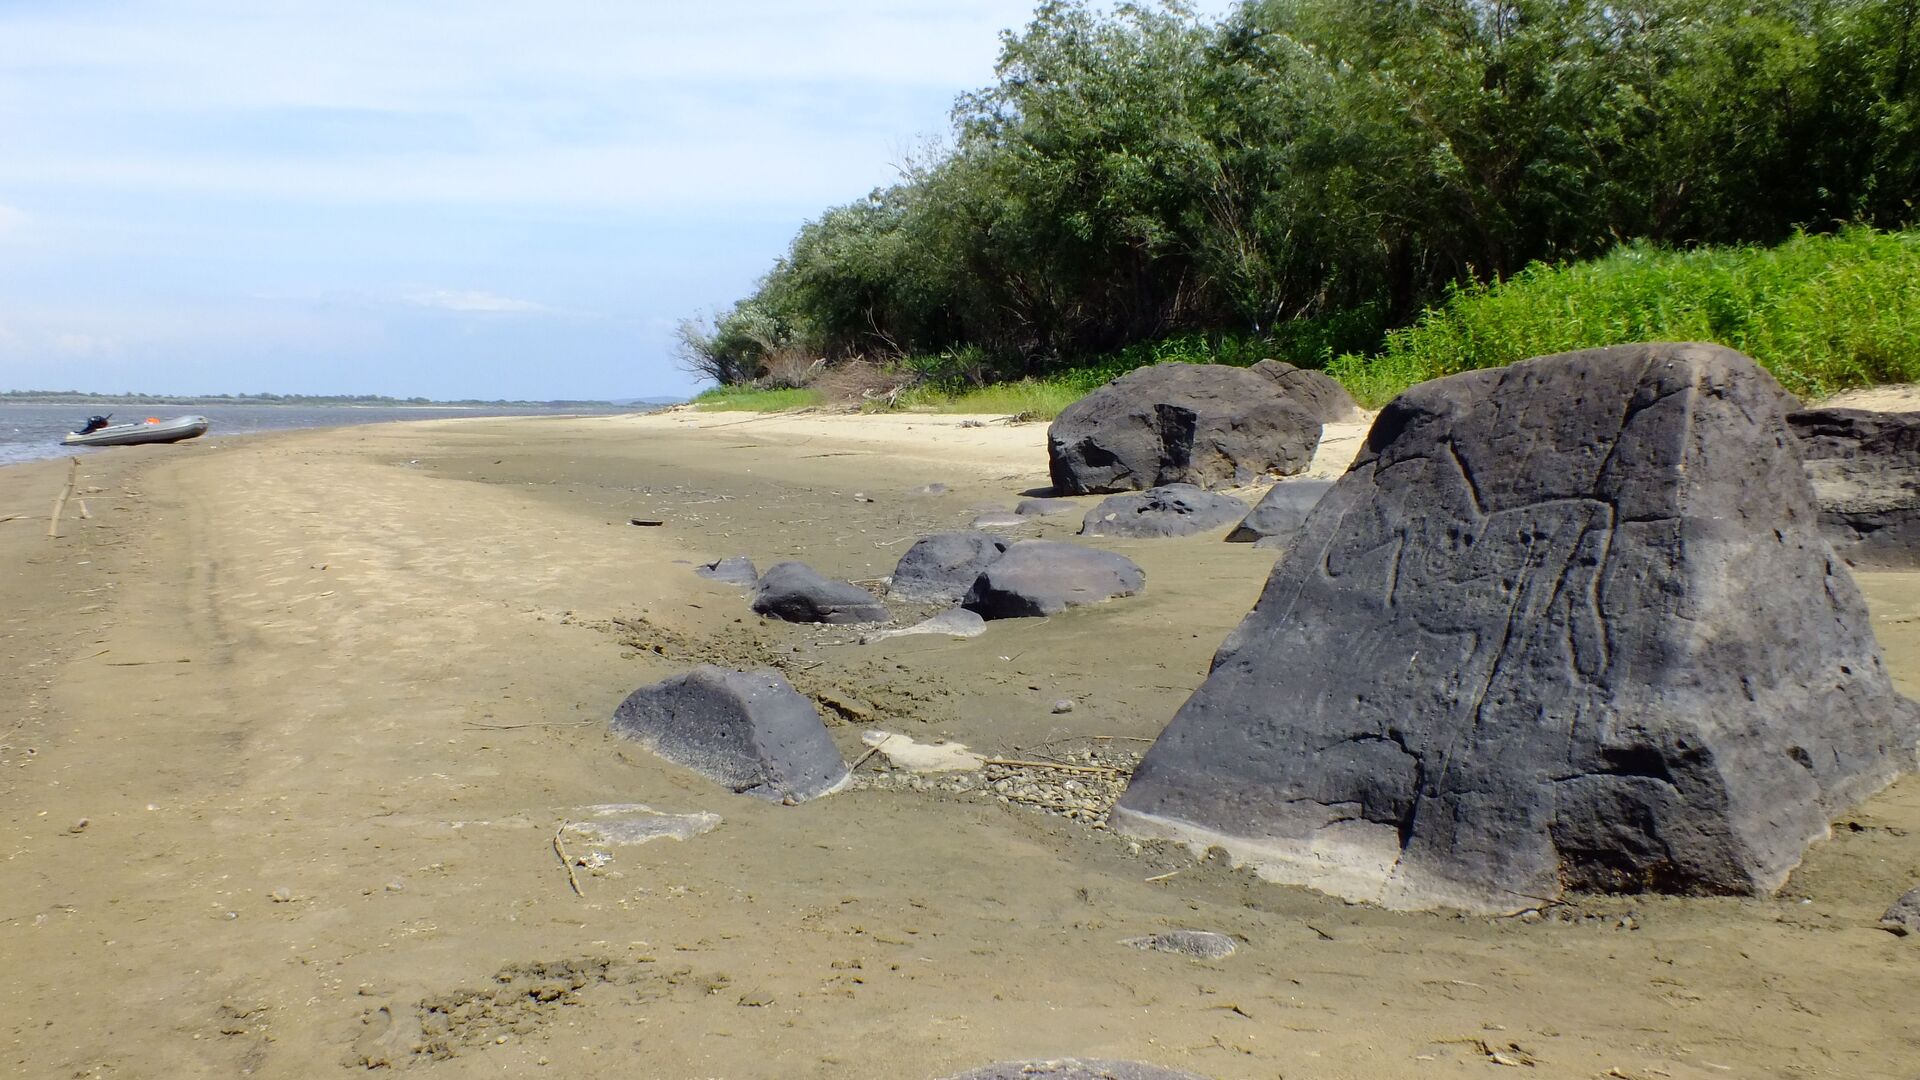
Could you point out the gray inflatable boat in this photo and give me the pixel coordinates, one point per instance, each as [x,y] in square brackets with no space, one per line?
[98,432]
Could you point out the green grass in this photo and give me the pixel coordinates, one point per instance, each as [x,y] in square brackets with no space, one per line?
[1040,399]
[1823,313]
[748,399]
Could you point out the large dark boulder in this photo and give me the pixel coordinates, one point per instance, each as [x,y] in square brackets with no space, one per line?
[1317,392]
[942,567]
[1280,513]
[1168,510]
[748,730]
[1202,424]
[1568,624]
[1865,469]
[1045,577]
[796,593]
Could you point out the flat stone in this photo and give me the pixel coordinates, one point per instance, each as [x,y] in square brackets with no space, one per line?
[1568,624]
[1045,577]
[738,570]
[903,752]
[942,567]
[1201,424]
[633,823]
[1865,469]
[1045,507]
[954,622]
[1165,511]
[1000,519]
[750,731]
[1198,944]
[796,593]
[1280,513]
[1074,1069]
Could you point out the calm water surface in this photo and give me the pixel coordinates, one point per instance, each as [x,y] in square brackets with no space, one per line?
[32,432]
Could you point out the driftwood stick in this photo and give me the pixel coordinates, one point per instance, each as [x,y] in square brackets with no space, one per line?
[84,515]
[60,504]
[566,861]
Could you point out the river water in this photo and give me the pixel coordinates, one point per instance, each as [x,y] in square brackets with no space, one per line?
[30,432]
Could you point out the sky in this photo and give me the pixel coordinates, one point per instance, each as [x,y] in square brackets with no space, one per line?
[477,199]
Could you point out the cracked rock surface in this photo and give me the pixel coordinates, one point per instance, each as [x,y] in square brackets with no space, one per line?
[1568,624]
[1204,424]
[748,730]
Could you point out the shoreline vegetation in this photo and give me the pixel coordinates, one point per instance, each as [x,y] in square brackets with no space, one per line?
[1387,192]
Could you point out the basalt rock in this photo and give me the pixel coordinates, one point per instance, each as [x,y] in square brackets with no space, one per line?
[1178,424]
[1317,392]
[1045,577]
[1568,624]
[1865,469]
[750,731]
[1168,510]
[942,567]
[1280,514]
[796,593]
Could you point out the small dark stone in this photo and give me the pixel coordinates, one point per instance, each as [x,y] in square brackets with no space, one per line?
[1903,917]
[1178,424]
[1168,510]
[942,567]
[1865,470]
[1316,392]
[1045,577]
[1075,1069]
[748,730]
[1280,513]
[738,570]
[796,593]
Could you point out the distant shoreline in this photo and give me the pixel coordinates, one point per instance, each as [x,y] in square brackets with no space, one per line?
[315,401]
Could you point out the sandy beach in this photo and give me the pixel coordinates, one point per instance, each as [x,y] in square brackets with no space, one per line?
[293,721]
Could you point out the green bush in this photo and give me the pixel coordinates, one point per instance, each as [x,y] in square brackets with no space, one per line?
[1823,313]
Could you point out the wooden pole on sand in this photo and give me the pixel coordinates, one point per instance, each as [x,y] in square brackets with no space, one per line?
[60,504]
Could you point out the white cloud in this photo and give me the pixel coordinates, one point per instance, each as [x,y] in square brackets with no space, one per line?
[471,301]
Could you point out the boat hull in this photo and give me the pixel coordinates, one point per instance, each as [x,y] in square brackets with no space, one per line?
[167,431]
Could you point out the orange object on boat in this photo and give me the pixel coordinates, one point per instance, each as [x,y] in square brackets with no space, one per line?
[153,419]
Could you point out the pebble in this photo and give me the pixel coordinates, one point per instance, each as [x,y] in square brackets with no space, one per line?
[1064,705]
[281,895]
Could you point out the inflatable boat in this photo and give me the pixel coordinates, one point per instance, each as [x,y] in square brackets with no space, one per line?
[98,432]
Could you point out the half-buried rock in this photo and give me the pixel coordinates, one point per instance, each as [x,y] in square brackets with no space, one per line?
[1568,624]
[1178,424]
[796,593]
[1168,510]
[940,568]
[750,731]
[1865,469]
[737,570]
[1046,577]
[1280,514]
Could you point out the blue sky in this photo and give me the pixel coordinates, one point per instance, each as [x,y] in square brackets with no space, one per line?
[477,199]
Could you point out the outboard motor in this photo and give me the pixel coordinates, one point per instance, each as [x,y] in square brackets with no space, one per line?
[94,423]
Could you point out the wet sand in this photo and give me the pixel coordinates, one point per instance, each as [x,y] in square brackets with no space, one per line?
[292,722]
